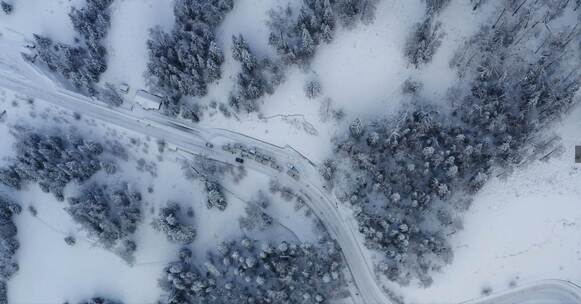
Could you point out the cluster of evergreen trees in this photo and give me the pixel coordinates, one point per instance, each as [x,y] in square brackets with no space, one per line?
[8,244]
[186,60]
[405,173]
[423,42]
[409,178]
[296,35]
[171,221]
[514,94]
[256,78]
[109,214]
[249,271]
[82,63]
[426,36]
[51,161]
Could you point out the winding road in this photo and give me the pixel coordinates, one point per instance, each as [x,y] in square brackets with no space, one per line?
[18,76]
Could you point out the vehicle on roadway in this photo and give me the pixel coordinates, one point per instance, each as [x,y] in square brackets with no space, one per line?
[239,160]
[292,171]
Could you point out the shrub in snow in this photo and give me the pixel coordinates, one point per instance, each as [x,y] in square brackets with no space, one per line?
[312,88]
[32,210]
[170,221]
[109,166]
[69,240]
[411,86]
[356,128]
[255,218]
[328,169]
[224,110]
[216,197]
[486,291]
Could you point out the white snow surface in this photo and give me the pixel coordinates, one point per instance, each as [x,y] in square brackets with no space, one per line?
[131,21]
[361,71]
[522,228]
[57,272]
[48,18]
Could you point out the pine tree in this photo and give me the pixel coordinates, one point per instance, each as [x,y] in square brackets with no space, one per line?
[307,43]
[170,221]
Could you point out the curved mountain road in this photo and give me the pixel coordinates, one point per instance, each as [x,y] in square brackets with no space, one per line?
[18,76]
[192,139]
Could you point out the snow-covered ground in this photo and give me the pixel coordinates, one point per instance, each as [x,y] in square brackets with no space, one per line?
[131,21]
[42,17]
[520,229]
[361,71]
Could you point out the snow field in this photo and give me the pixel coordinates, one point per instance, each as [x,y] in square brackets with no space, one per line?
[519,229]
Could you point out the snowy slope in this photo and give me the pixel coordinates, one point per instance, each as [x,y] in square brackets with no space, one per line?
[522,228]
[58,272]
[519,229]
